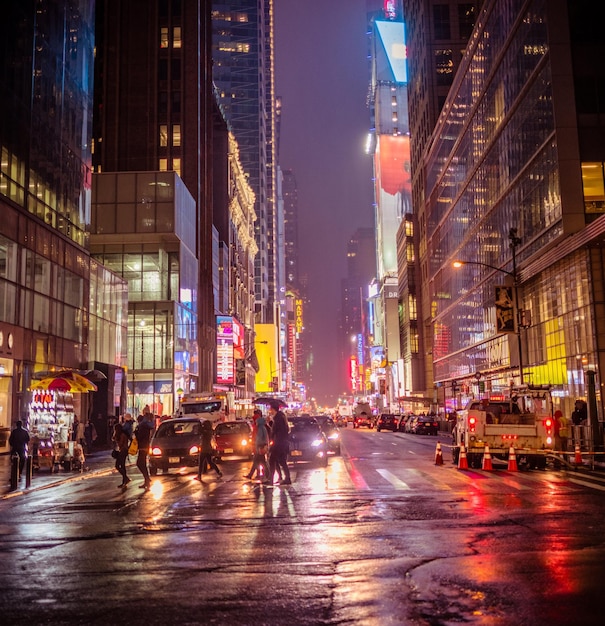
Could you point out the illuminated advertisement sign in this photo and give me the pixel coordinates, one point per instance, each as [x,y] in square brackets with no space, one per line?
[224,350]
[393,194]
[391,56]
[298,309]
[353,374]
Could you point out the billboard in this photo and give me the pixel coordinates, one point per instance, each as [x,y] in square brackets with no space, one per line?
[224,350]
[391,54]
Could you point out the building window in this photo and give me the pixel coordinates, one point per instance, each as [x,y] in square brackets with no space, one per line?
[176,37]
[163,165]
[466,20]
[163,37]
[444,67]
[593,182]
[163,135]
[441,21]
[176,135]
[176,165]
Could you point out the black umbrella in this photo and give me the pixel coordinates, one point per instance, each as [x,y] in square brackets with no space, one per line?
[270,401]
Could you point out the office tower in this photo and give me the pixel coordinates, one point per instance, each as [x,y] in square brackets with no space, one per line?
[244,77]
[58,308]
[154,117]
[436,38]
[514,190]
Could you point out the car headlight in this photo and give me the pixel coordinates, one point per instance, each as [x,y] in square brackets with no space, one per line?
[155,451]
[334,436]
[317,442]
[194,450]
[244,443]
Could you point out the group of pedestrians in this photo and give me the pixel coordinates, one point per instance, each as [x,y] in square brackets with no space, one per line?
[273,440]
[123,436]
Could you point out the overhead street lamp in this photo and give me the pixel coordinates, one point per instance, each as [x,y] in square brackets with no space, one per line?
[514,242]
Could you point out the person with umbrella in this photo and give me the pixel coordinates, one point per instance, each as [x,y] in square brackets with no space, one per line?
[280,443]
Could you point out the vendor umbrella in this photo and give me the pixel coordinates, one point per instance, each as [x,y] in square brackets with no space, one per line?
[64,381]
[269,401]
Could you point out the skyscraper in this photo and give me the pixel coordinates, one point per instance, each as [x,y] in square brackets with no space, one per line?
[244,77]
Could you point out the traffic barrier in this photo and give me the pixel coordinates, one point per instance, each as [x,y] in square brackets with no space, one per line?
[462,460]
[578,455]
[512,460]
[438,455]
[487,460]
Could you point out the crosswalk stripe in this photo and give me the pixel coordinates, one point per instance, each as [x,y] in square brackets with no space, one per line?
[393,479]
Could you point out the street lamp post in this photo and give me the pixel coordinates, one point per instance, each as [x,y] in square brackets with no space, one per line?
[514,242]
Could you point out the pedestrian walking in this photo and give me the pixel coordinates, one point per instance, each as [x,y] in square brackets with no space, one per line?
[579,418]
[128,425]
[280,444]
[561,434]
[260,438]
[143,435]
[90,434]
[206,460]
[18,440]
[120,452]
[77,431]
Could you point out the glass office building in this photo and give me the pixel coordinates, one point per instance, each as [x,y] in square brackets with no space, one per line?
[511,150]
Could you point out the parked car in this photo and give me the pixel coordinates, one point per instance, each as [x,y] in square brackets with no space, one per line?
[331,431]
[175,444]
[233,439]
[387,421]
[364,419]
[410,423]
[426,425]
[307,441]
[402,422]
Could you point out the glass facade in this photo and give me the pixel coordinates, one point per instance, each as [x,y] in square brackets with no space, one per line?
[131,211]
[494,166]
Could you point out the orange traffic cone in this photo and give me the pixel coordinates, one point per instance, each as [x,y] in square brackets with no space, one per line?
[578,455]
[487,459]
[512,460]
[438,455]
[462,460]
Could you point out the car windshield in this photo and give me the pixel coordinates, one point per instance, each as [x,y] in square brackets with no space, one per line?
[304,423]
[178,428]
[231,428]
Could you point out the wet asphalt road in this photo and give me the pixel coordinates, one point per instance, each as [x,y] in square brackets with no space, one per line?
[382,536]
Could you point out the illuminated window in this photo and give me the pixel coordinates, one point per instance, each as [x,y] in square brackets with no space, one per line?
[176,37]
[176,166]
[163,135]
[163,165]
[176,135]
[163,37]
[593,182]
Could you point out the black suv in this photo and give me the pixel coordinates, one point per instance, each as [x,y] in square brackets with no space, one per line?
[387,421]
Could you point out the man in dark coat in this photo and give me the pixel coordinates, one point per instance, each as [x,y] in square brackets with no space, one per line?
[280,444]
[143,434]
[18,440]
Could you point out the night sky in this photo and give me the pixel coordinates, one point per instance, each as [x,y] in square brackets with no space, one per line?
[322,76]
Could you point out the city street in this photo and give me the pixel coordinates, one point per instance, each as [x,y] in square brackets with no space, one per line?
[382,536]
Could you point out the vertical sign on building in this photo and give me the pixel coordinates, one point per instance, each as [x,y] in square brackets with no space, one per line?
[224,350]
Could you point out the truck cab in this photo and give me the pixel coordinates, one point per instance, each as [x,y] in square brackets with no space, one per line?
[204,406]
[522,419]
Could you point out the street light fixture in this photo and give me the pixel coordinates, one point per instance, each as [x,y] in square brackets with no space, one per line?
[514,242]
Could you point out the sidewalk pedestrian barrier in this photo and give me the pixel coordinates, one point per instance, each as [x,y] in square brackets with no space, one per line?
[512,460]
[462,460]
[14,471]
[438,455]
[578,455]
[487,459]
[29,470]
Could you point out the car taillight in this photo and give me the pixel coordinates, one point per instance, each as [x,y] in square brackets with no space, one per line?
[155,451]
[194,450]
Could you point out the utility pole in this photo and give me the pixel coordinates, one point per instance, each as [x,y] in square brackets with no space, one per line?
[514,242]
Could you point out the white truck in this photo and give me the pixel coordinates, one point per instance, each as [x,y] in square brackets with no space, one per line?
[523,419]
[205,406]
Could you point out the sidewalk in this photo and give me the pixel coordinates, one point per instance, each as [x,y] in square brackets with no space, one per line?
[97,463]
